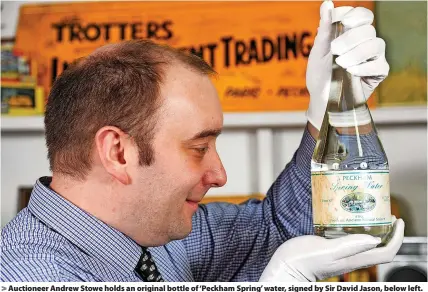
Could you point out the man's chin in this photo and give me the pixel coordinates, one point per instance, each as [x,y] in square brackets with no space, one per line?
[181,233]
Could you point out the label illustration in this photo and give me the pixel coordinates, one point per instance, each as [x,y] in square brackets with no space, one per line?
[351,198]
[358,203]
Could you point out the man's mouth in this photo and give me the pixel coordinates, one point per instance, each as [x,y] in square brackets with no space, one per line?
[193,204]
[194,200]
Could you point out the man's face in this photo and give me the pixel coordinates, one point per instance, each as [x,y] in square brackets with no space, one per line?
[186,162]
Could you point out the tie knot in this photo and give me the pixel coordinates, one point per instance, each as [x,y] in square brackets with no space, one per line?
[146,268]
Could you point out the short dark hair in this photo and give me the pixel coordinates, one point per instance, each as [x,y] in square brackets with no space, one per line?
[117,85]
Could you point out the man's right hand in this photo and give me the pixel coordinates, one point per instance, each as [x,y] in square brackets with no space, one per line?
[358,50]
[311,258]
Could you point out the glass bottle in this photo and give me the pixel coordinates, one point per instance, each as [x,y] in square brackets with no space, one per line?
[349,171]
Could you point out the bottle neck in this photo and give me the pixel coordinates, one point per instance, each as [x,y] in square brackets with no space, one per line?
[347,103]
[338,30]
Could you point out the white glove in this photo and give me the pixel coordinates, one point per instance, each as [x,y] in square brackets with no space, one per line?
[360,52]
[311,258]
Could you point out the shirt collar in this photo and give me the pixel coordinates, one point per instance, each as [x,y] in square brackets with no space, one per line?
[85,231]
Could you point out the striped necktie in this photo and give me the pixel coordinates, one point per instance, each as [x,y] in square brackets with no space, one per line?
[146,268]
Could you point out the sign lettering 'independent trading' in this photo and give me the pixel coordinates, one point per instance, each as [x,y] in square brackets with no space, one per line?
[260,50]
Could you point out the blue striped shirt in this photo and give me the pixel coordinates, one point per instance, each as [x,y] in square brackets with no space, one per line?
[54,240]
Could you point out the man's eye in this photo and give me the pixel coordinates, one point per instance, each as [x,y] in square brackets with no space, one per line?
[202,150]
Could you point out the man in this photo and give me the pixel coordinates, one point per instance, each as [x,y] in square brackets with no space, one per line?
[131,133]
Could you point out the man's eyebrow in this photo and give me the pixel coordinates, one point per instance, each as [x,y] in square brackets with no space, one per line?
[206,133]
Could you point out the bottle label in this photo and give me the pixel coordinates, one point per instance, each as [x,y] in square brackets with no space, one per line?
[351,198]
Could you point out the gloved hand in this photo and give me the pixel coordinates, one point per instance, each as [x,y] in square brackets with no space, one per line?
[360,52]
[310,257]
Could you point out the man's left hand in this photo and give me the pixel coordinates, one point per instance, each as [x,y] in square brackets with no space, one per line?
[310,257]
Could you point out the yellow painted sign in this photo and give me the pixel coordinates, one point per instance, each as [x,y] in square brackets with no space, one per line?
[259,49]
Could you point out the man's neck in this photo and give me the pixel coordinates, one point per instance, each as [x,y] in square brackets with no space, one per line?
[100,199]
[94,198]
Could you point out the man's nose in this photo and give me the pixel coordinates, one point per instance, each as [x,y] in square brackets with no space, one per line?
[220,178]
[216,176]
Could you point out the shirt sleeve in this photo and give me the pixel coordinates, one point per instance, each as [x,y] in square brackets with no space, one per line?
[235,242]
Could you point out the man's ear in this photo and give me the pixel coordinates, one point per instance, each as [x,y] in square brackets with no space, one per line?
[112,145]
